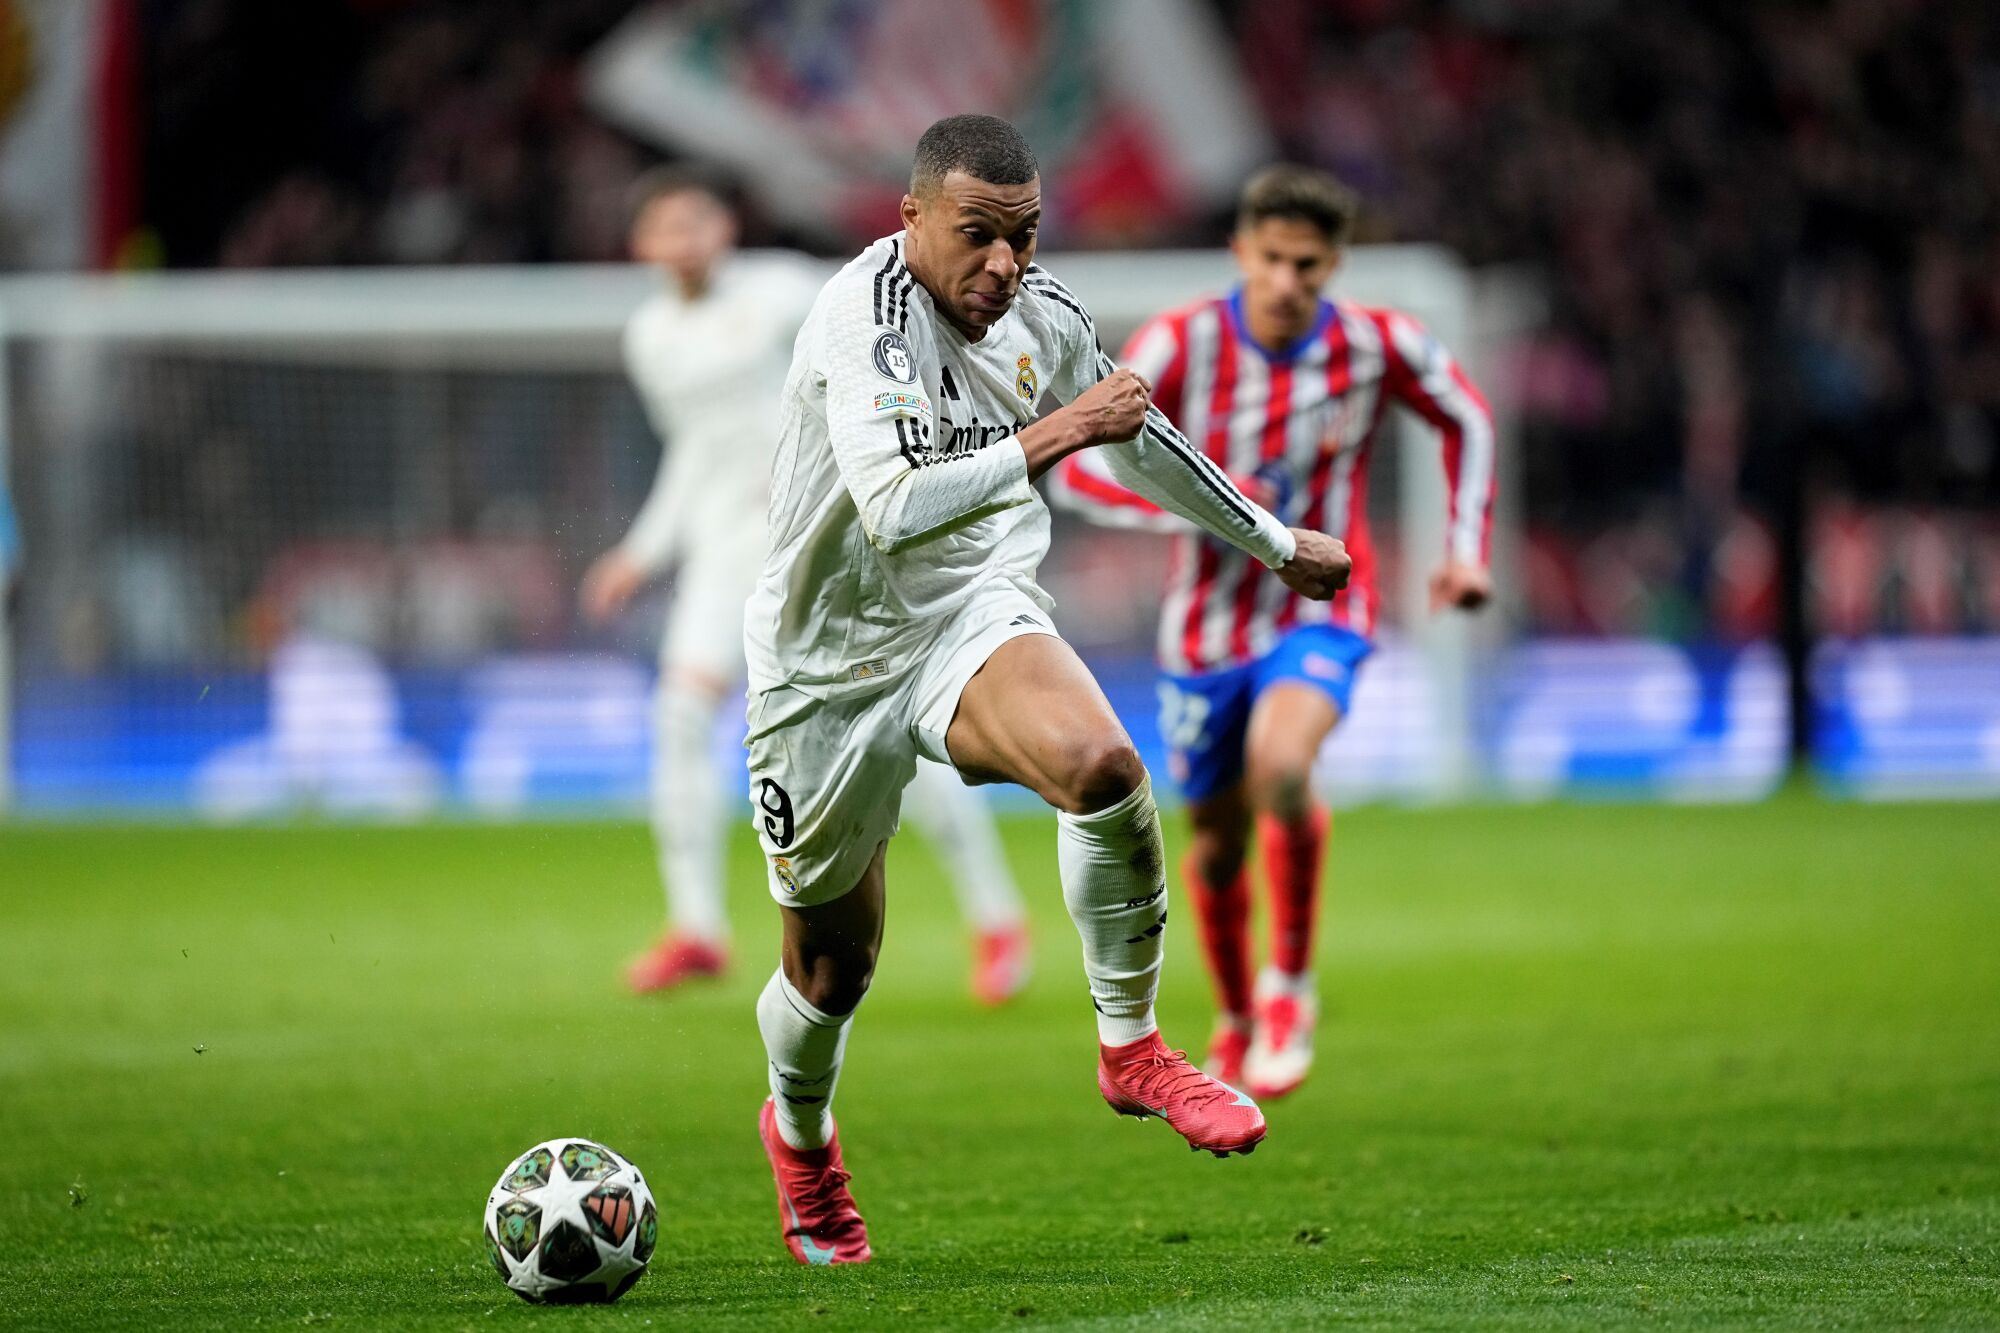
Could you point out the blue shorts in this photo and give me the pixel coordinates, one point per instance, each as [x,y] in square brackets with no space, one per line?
[1205,718]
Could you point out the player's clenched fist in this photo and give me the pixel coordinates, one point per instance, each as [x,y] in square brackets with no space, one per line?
[1114,408]
[1318,568]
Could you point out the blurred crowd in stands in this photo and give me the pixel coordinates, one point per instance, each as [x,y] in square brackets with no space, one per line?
[380,132]
[1769,234]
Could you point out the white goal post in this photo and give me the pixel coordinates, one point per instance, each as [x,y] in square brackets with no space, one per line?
[65,344]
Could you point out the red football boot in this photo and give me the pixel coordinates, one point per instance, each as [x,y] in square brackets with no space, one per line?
[1226,1049]
[1001,964]
[821,1223]
[676,959]
[1144,1078]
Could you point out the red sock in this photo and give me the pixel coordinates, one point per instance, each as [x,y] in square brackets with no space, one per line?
[1224,914]
[1292,859]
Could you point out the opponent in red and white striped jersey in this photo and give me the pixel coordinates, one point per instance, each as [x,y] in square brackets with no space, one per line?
[1285,391]
[1294,427]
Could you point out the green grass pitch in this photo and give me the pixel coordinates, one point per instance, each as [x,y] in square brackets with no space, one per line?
[1585,1066]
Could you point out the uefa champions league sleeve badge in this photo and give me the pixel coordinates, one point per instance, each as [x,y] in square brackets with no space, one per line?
[894,359]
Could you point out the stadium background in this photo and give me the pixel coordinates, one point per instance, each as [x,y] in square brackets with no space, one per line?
[1733,274]
[309,422]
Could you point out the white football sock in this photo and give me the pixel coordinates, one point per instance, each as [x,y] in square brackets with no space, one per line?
[959,826]
[688,811]
[1114,883]
[1273,981]
[805,1046]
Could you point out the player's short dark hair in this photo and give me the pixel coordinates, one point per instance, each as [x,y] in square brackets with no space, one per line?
[1301,194]
[985,148]
[680,178]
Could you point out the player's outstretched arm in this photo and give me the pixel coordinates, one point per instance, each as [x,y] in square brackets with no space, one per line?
[1082,485]
[1424,377]
[1157,462]
[1318,566]
[1154,460]
[1161,465]
[1116,415]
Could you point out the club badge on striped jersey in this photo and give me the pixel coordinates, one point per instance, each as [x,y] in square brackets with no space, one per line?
[1343,423]
[1025,382]
[894,359]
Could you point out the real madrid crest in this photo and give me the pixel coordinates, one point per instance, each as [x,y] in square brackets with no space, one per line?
[1025,382]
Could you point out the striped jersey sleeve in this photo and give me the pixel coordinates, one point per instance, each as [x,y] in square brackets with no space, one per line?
[880,421]
[1158,351]
[1419,373]
[1159,464]
[1083,482]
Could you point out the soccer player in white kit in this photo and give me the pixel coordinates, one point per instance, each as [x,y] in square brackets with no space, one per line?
[708,354]
[897,616]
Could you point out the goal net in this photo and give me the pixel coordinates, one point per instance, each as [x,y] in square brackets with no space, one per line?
[310,541]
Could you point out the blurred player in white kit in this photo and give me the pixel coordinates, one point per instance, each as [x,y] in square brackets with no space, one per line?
[708,355]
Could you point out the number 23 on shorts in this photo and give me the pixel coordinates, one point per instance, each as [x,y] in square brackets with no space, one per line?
[1183,717]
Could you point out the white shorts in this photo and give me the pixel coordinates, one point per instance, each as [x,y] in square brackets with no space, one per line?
[827,775]
[704,631]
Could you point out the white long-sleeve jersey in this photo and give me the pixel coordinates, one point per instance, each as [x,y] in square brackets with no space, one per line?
[899,489]
[710,371]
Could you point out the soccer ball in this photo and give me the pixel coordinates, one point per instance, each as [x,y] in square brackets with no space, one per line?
[571,1222]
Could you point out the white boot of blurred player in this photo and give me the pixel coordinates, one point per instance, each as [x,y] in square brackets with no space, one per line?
[1281,1045]
[959,826]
